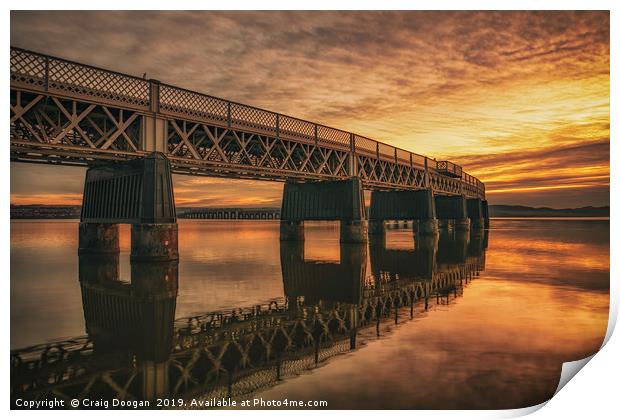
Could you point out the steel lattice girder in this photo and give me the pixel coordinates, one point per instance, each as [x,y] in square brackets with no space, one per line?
[54,129]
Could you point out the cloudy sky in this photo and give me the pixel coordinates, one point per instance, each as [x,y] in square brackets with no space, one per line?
[521,99]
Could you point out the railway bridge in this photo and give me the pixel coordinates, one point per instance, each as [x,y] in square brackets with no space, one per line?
[132,133]
[231,213]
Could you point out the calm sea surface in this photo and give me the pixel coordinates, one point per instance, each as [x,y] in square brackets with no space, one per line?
[468,321]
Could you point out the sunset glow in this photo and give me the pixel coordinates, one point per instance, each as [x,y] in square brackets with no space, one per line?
[519,99]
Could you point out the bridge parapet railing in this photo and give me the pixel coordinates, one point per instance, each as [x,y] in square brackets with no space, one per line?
[387,152]
[403,157]
[186,103]
[332,137]
[365,146]
[254,118]
[419,160]
[449,168]
[296,129]
[57,75]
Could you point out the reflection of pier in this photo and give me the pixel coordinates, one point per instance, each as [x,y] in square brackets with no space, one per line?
[135,350]
[316,280]
[137,315]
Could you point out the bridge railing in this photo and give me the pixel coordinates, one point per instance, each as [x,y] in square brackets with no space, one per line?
[36,71]
[57,75]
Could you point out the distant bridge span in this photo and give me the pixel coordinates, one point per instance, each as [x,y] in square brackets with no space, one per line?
[63,112]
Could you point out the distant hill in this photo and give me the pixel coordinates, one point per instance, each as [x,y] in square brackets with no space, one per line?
[500,210]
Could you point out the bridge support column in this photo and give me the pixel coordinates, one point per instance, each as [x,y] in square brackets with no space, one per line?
[452,212]
[376,227]
[137,192]
[427,223]
[353,231]
[98,238]
[154,242]
[418,206]
[485,213]
[324,200]
[474,210]
[292,230]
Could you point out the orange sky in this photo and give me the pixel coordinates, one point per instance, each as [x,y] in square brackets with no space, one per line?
[520,99]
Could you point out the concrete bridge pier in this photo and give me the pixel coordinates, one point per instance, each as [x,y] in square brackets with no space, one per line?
[485,213]
[452,212]
[324,200]
[427,214]
[292,230]
[418,206]
[354,231]
[137,192]
[474,211]
[154,242]
[98,238]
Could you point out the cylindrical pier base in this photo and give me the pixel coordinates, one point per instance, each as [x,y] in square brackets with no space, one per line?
[426,227]
[461,224]
[292,230]
[154,242]
[98,238]
[353,231]
[376,227]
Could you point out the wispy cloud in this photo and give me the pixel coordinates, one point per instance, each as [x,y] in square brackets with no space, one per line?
[447,84]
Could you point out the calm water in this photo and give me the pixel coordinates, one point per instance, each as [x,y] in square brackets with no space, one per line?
[468,321]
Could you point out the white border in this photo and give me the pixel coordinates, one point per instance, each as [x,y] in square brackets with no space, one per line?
[592,394]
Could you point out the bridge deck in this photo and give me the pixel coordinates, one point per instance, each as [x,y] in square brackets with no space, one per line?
[71,113]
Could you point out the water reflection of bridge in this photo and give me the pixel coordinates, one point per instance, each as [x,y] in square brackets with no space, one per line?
[136,350]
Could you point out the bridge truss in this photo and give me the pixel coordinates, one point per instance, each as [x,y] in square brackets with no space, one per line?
[63,112]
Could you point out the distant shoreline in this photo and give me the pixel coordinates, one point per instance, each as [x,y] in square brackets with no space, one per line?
[496,211]
[502,210]
[567,218]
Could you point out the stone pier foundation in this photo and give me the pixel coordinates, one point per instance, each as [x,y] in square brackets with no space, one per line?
[324,200]
[353,231]
[292,230]
[154,242]
[417,206]
[474,211]
[452,212]
[485,213]
[138,192]
[98,238]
